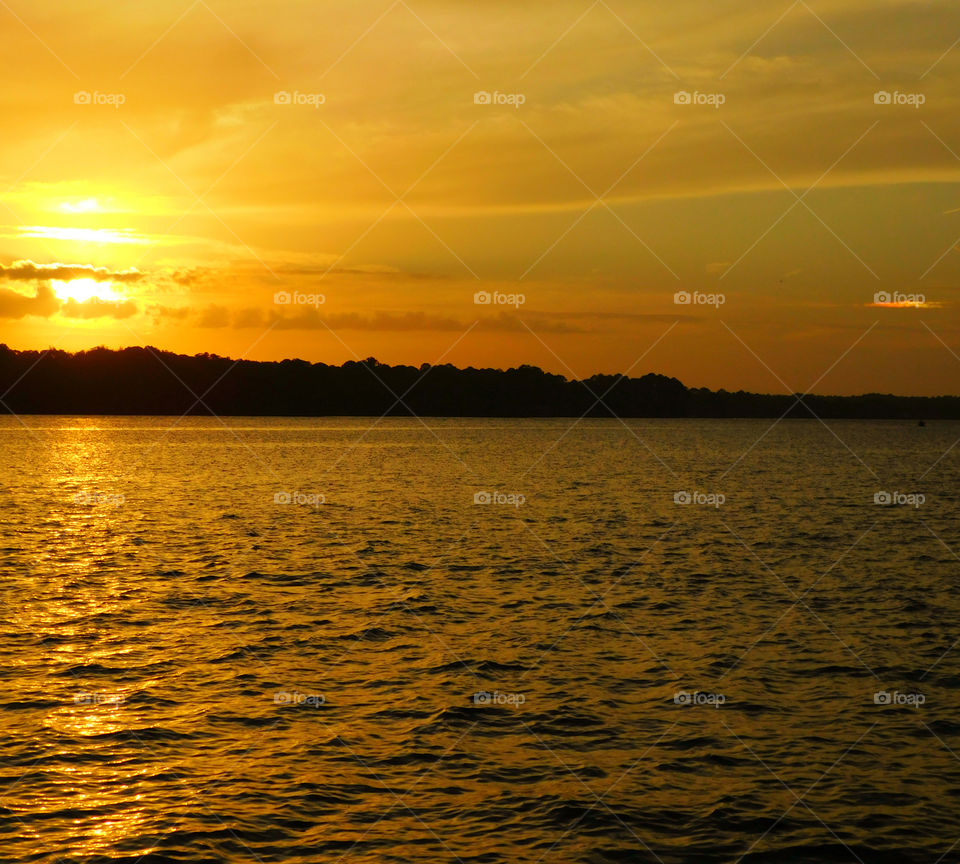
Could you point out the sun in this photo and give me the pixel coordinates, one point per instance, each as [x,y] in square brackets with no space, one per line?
[83,290]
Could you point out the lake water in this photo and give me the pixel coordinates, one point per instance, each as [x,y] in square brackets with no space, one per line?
[195,670]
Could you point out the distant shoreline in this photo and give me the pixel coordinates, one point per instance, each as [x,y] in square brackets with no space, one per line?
[149,382]
[196,415]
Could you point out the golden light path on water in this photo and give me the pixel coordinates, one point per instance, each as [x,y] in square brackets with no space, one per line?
[192,671]
[83,788]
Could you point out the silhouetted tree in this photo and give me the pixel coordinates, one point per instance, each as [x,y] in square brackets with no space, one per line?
[150,381]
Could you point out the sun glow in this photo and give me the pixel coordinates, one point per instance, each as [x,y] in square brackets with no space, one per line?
[83,290]
[88,205]
[82,235]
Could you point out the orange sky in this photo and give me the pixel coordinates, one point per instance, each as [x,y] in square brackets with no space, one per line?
[171,173]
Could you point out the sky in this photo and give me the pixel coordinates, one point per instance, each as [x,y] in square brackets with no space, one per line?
[742,195]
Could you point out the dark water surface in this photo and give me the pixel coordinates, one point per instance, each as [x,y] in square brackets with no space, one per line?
[193,670]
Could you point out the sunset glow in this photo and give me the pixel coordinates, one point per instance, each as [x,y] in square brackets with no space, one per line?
[80,235]
[84,290]
[88,205]
[496,432]
[779,167]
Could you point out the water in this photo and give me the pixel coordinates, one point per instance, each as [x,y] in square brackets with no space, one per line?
[194,672]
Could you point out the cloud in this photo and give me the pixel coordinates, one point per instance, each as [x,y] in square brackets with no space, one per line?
[13,304]
[94,308]
[214,317]
[411,322]
[44,302]
[80,235]
[248,318]
[188,276]
[715,267]
[29,271]
[219,317]
[905,304]
[313,319]
[175,313]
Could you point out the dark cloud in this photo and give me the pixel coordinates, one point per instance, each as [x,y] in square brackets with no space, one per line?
[13,304]
[177,313]
[520,321]
[95,308]
[382,322]
[215,317]
[248,318]
[189,276]
[44,302]
[25,271]
[315,319]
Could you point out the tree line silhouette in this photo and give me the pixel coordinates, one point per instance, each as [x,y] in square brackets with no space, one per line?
[150,381]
